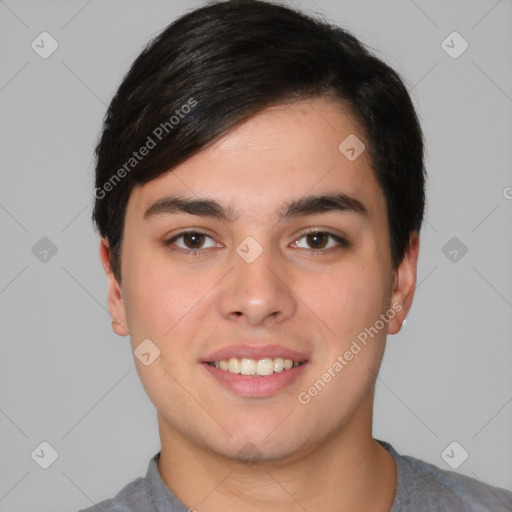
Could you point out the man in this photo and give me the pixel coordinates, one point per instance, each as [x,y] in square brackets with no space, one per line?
[260,193]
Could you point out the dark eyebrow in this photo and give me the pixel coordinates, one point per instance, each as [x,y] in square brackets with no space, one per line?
[309,205]
[201,207]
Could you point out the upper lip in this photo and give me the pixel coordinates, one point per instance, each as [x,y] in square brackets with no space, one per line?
[254,352]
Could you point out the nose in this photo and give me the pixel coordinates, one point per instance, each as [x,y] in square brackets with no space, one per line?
[257,292]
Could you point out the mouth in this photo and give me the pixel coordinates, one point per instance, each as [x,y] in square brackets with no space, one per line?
[252,371]
[262,367]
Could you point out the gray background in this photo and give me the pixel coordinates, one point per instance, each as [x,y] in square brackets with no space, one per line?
[66,379]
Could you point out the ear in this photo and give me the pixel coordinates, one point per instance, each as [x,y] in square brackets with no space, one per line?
[116,304]
[404,284]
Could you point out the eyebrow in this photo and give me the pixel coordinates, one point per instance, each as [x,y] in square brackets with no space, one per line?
[308,205]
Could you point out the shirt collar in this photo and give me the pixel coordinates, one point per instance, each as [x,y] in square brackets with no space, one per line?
[159,495]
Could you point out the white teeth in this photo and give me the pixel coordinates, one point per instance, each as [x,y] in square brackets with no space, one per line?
[248,367]
[265,367]
[234,365]
[253,367]
[278,364]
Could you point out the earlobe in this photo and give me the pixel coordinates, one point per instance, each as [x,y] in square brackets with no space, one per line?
[116,304]
[119,328]
[404,284]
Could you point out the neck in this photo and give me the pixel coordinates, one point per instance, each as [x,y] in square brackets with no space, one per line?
[350,471]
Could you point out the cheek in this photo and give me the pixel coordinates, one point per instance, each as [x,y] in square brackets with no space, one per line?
[162,300]
[155,297]
[345,300]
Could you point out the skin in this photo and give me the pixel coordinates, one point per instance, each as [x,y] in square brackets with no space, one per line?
[319,456]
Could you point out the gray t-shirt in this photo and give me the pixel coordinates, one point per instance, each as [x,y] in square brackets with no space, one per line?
[421,487]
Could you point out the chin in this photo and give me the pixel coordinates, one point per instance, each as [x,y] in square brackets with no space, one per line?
[251,454]
[260,447]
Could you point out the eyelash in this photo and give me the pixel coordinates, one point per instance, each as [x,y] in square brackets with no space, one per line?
[342,242]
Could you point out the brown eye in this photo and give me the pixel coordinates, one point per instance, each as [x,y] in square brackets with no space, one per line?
[320,241]
[193,240]
[317,240]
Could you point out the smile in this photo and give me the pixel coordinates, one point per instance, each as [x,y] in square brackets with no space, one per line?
[255,367]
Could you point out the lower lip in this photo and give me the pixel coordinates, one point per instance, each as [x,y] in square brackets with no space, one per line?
[255,387]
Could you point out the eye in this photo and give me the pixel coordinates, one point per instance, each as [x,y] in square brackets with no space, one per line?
[192,241]
[320,240]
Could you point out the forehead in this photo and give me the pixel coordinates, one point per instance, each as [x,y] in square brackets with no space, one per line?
[279,155]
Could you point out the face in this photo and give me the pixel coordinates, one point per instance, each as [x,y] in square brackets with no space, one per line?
[270,245]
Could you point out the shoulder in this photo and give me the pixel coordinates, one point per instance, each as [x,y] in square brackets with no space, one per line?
[424,487]
[132,498]
[147,494]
